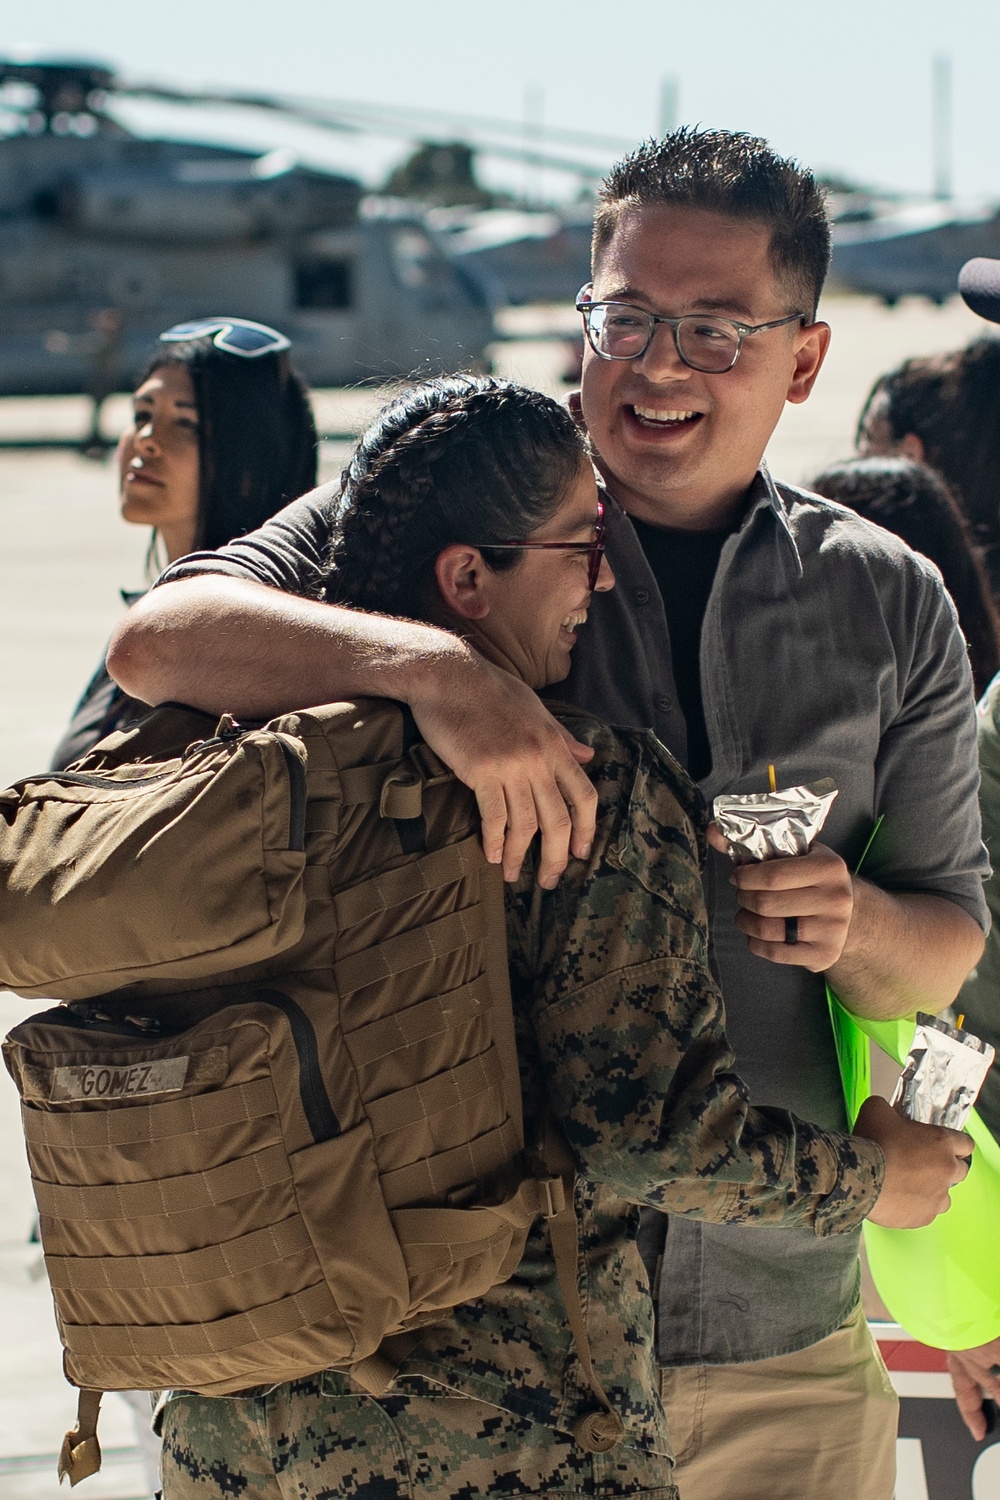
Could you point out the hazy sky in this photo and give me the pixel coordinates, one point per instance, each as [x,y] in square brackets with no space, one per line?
[843,84]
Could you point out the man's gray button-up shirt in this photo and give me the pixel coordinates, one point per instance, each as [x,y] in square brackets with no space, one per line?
[828,649]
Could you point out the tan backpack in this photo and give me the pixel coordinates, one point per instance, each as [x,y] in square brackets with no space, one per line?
[305,1158]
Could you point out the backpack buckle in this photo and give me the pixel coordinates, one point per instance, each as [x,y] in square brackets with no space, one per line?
[402,796]
[553,1196]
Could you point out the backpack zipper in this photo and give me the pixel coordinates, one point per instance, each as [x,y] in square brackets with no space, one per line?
[316,1105]
[296,798]
[90,778]
[88,1015]
[296,780]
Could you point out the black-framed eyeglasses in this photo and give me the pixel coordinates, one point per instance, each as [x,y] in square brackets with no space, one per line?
[233,335]
[617,330]
[594,548]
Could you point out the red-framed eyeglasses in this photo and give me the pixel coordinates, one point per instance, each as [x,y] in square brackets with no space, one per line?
[595,549]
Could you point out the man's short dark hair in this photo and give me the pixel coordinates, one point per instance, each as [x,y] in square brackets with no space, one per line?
[727,172]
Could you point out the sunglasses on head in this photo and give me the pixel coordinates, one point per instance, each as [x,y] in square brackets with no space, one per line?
[233,335]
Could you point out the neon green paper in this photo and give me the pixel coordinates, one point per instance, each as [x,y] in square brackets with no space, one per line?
[942,1283]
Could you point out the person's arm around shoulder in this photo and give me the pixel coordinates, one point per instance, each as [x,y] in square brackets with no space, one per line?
[227,641]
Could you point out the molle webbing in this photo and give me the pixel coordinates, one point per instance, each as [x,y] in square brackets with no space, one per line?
[301,1161]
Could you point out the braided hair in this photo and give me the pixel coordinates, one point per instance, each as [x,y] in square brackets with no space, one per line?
[462,458]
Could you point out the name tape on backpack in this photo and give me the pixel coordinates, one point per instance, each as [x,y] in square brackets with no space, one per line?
[167,1076]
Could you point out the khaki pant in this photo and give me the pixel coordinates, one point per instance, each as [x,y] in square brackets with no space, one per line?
[816,1425]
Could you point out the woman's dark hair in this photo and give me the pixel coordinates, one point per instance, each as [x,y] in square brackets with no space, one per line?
[910,500]
[256,436]
[951,402]
[457,459]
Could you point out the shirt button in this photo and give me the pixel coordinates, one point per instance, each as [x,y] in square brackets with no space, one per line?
[641,596]
[664,704]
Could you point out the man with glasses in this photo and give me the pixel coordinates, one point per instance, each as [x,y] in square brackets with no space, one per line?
[781,631]
[752,624]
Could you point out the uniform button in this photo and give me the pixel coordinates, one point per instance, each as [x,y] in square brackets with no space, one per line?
[664,704]
[641,596]
[599,1431]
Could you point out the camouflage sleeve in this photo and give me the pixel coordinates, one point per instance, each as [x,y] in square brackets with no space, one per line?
[612,970]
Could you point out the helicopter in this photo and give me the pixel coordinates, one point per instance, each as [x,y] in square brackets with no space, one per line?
[892,245]
[526,256]
[109,237]
[916,249]
[885,248]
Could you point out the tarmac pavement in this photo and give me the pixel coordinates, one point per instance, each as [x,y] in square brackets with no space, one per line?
[64,557]
[36,1404]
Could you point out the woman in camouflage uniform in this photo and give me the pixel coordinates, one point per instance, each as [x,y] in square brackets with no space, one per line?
[472,503]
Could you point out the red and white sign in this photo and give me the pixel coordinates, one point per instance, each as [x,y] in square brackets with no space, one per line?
[936,1458]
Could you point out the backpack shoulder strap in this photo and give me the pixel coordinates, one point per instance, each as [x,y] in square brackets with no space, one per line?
[550,1192]
[596,1431]
[498,972]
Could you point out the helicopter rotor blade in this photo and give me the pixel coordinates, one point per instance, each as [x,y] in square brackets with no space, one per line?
[419,118]
[394,122]
[161,93]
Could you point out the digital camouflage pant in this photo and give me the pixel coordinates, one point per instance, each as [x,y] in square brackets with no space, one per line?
[315,1439]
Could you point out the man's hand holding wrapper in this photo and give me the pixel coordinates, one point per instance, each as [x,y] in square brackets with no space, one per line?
[796,901]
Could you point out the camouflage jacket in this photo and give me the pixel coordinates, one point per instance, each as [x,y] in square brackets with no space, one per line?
[621,1036]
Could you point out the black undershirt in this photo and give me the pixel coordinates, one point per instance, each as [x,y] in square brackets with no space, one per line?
[684,564]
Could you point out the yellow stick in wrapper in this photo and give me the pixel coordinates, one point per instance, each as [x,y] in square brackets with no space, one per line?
[764,825]
[772,780]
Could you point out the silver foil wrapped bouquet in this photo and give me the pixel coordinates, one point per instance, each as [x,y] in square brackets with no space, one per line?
[943,1074]
[767,825]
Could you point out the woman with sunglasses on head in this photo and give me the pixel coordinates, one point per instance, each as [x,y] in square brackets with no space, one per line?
[222,437]
[472,504]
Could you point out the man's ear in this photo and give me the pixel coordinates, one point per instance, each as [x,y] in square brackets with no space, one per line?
[811,344]
[575,408]
[463,581]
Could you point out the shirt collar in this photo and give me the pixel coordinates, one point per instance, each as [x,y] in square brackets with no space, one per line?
[779,508]
[763,495]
